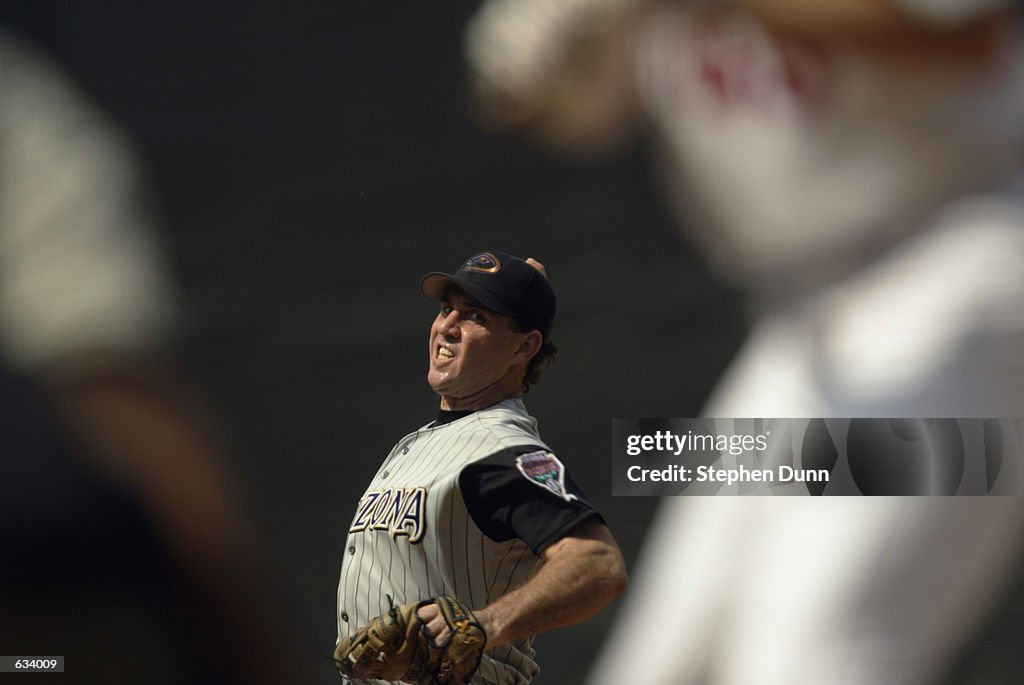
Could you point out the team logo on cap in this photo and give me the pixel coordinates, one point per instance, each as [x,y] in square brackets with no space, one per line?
[485,261]
[543,468]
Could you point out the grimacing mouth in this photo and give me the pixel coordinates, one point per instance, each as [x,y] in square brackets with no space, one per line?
[444,352]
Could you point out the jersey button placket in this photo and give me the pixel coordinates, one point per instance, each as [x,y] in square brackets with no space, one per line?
[399,451]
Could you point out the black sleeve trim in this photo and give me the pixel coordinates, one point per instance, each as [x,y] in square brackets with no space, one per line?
[505,504]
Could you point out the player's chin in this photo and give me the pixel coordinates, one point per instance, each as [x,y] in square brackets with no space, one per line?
[439,379]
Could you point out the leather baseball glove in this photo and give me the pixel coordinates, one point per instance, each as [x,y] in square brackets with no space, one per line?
[395,647]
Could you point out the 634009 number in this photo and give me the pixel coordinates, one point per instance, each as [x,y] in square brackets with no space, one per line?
[36,663]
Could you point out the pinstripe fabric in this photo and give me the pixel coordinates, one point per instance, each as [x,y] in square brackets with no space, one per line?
[412,537]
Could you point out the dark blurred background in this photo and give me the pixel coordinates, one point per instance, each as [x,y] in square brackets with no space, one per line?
[310,161]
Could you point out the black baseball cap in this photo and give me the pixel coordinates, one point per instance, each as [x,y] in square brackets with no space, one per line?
[503,283]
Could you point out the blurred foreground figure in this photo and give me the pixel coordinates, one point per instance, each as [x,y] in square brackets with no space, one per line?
[124,547]
[856,164]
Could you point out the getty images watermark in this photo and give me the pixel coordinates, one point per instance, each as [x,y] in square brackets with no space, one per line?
[851,456]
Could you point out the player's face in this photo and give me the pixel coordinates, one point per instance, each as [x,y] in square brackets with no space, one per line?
[475,355]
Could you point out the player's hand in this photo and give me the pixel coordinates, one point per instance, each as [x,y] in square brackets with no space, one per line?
[435,629]
[538,266]
[434,642]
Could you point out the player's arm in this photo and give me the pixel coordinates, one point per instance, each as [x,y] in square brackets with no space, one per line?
[582,568]
[582,572]
[559,70]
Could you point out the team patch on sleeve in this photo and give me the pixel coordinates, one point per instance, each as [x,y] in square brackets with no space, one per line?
[545,470]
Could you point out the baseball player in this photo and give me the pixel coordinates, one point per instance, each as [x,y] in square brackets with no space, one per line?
[856,165]
[471,537]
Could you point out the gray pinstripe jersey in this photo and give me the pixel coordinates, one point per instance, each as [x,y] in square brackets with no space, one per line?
[412,537]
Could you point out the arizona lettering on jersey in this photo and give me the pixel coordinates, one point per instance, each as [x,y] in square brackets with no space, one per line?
[400,511]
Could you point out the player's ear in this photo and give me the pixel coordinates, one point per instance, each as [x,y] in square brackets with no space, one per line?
[530,345]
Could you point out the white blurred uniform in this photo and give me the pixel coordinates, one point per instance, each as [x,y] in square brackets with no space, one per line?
[80,270]
[875,209]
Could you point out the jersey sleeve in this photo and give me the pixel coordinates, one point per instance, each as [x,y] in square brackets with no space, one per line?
[524,493]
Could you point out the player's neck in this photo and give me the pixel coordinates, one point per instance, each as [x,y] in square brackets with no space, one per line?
[505,389]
